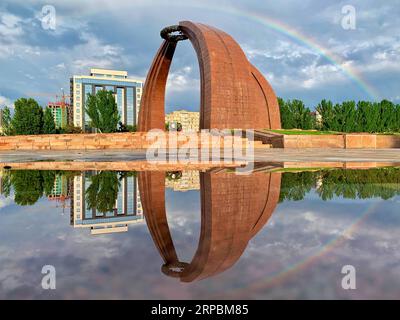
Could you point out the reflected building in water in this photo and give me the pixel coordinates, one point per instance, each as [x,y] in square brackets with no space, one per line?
[61,191]
[127,209]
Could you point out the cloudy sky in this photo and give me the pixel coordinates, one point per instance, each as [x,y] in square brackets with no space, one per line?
[301,47]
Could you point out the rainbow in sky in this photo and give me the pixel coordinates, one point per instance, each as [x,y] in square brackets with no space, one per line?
[350,72]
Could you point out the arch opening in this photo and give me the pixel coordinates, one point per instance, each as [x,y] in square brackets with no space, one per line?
[182,95]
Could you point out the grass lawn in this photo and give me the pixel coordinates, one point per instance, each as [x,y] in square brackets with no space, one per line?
[316,132]
[305,132]
[390,133]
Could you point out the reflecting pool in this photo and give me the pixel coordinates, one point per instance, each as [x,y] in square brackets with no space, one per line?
[275,233]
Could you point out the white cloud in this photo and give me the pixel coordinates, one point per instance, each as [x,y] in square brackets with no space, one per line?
[290,65]
[4,101]
[183,79]
[10,25]
[4,202]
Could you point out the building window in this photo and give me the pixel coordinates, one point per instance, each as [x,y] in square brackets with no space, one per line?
[88,90]
[130,108]
[120,103]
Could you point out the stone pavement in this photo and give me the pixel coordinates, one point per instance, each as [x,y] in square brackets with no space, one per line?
[260,155]
[328,155]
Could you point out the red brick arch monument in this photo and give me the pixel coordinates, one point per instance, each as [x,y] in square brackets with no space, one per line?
[234,94]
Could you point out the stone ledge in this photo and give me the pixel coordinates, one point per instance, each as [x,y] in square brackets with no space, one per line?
[342,141]
[137,140]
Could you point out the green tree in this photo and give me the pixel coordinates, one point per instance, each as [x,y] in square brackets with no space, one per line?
[28,117]
[6,121]
[349,184]
[349,116]
[49,126]
[295,186]
[287,120]
[131,128]
[301,115]
[48,177]
[6,183]
[368,116]
[325,109]
[388,117]
[70,128]
[397,124]
[103,111]
[28,186]
[103,191]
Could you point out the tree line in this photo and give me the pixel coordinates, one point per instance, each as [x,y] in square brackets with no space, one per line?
[30,118]
[28,186]
[102,110]
[348,116]
[352,184]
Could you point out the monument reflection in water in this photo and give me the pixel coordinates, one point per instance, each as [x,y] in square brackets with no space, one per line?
[233,209]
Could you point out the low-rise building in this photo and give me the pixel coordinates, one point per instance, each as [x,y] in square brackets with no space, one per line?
[189,120]
[187,181]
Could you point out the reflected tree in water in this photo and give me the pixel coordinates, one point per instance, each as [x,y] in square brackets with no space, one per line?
[295,185]
[102,193]
[360,184]
[30,185]
[350,184]
[6,184]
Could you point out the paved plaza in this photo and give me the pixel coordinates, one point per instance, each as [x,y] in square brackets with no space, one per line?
[260,155]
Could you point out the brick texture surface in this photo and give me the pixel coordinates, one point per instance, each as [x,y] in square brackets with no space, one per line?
[234,94]
[342,141]
[138,140]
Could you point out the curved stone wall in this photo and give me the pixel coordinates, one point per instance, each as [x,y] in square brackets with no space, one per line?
[234,94]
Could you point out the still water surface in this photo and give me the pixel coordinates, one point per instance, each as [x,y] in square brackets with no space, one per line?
[266,235]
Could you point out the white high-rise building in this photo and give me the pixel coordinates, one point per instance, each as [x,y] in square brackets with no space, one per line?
[127,92]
